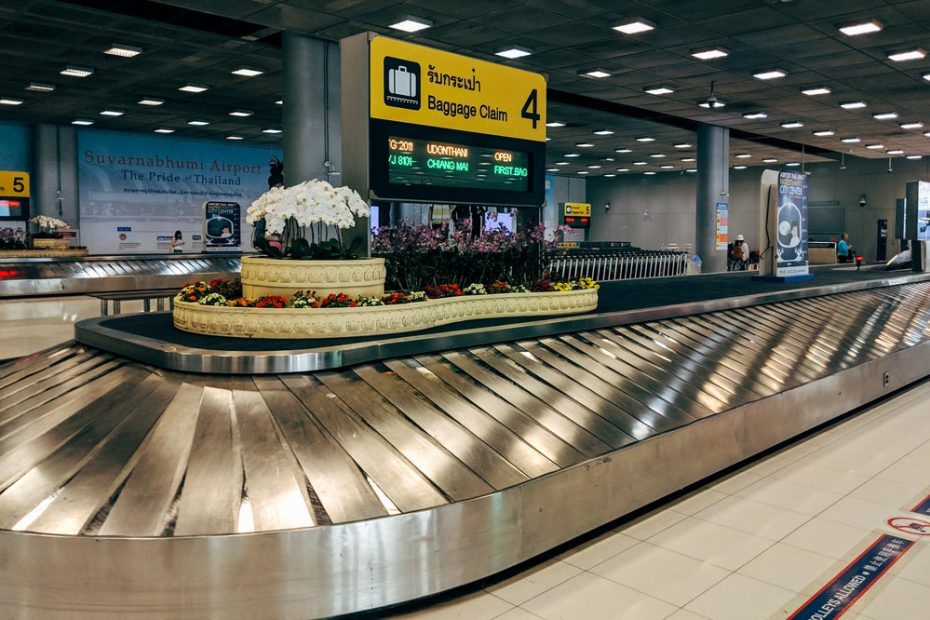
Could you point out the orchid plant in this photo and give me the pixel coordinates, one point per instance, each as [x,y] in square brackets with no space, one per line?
[314,208]
[50,227]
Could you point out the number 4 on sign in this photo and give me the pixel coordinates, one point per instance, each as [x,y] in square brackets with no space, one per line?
[530,110]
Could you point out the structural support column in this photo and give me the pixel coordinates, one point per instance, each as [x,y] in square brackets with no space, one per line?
[54,178]
[713,186]
[305,108]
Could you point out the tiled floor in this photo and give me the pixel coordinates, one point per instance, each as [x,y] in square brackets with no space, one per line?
[30,325]
[754,545]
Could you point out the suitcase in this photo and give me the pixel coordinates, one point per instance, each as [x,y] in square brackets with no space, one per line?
[402,82]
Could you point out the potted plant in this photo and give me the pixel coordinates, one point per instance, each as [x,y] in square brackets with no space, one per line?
[301,243]
[49,235]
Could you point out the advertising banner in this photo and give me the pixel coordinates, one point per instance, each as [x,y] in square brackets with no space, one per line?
[137,190]
[791,257]
[222,225]
[425,86]
[917,211]
[723,225]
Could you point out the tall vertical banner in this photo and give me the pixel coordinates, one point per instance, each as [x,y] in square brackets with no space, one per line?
[722,235]
[791,257]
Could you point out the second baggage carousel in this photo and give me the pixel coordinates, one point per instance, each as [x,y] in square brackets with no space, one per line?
[133,490]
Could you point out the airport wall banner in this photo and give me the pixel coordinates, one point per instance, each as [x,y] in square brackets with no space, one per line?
[722,236]
[16,153]
[222,228]
[136,190]
[917,211]
[791,257]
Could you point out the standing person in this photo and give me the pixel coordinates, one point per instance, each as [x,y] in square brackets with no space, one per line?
[177,243]
[843,249]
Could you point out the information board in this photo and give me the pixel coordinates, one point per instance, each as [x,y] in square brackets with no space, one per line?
[221,227]
[14,194]
[444,164]
[791,254]
[425,86]
[577,214]
[722,235]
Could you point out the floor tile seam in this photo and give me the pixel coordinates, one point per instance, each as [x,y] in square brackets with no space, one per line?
[651,515]
[703,561]
[746,499]
[500,615]
[902,577]
[518,578]
[757,581]
[623,585]
[703,490]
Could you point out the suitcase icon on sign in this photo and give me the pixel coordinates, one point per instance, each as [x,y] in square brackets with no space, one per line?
[401,83]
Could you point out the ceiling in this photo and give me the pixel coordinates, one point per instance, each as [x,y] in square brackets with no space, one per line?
[203,40]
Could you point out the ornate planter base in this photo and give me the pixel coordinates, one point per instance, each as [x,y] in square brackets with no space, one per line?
[51,244]
[373,320]
[272,276]
[39,253]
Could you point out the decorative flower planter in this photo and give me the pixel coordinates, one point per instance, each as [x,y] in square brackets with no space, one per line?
[39,253]
[374,320]
[274,276]
[51,244]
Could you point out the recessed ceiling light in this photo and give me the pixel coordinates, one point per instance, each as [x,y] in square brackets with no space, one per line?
[555,124]
[817,90]
[552,169]
[234,137]
[39,87]
[584,145]
[853,30]
[649,172]
[640,163]
[792,124]
[623,169]
[755,115]
[609,176]
[572,155]
[594,166]
[82,121]
[821,133]
[112,112]
[710,54]
[73,71]
[561,163]
[658,90]
[123,51]
[852,105]
[688,159]
[657,155]
[279,102]
[927,134]
[595,73]
[712,102]
[10,101]
[915,157]
[194,88]
[896,152]
[247,71]
[514,52]
[683,145]
[548,138]
[915,54]
[885,116]
[607,159]
[912,125]
[793,164]
[623,150]
[769,160]
[271,130]
[603,132]
[851,140]
[739,167]
[667,167]
[772,74]
[411,23]
[634,25]
[241,113]
[583,172]
[151,101]
[743,155]
[645,139]
[164,130]
[692,170]
[198,123]
[875,147]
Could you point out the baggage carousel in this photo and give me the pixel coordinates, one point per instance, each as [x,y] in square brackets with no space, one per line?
[148,481]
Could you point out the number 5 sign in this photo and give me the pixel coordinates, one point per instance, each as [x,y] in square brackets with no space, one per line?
[423,86]
[14,184]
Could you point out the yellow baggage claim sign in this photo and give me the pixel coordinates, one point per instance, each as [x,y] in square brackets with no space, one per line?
[424,86]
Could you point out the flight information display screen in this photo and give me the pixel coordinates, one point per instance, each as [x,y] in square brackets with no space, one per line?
[416,161]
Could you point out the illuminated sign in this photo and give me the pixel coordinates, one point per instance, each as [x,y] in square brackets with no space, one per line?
[577,214]
[429,162]
[424,86]
[14,194]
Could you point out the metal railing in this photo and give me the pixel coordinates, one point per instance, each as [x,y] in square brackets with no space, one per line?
[621,264]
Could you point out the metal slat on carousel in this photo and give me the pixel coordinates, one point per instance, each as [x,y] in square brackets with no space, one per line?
[26,277]
[128,490]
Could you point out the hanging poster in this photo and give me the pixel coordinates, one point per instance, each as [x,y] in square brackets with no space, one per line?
[221,225]
[723,225]
[791,258]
